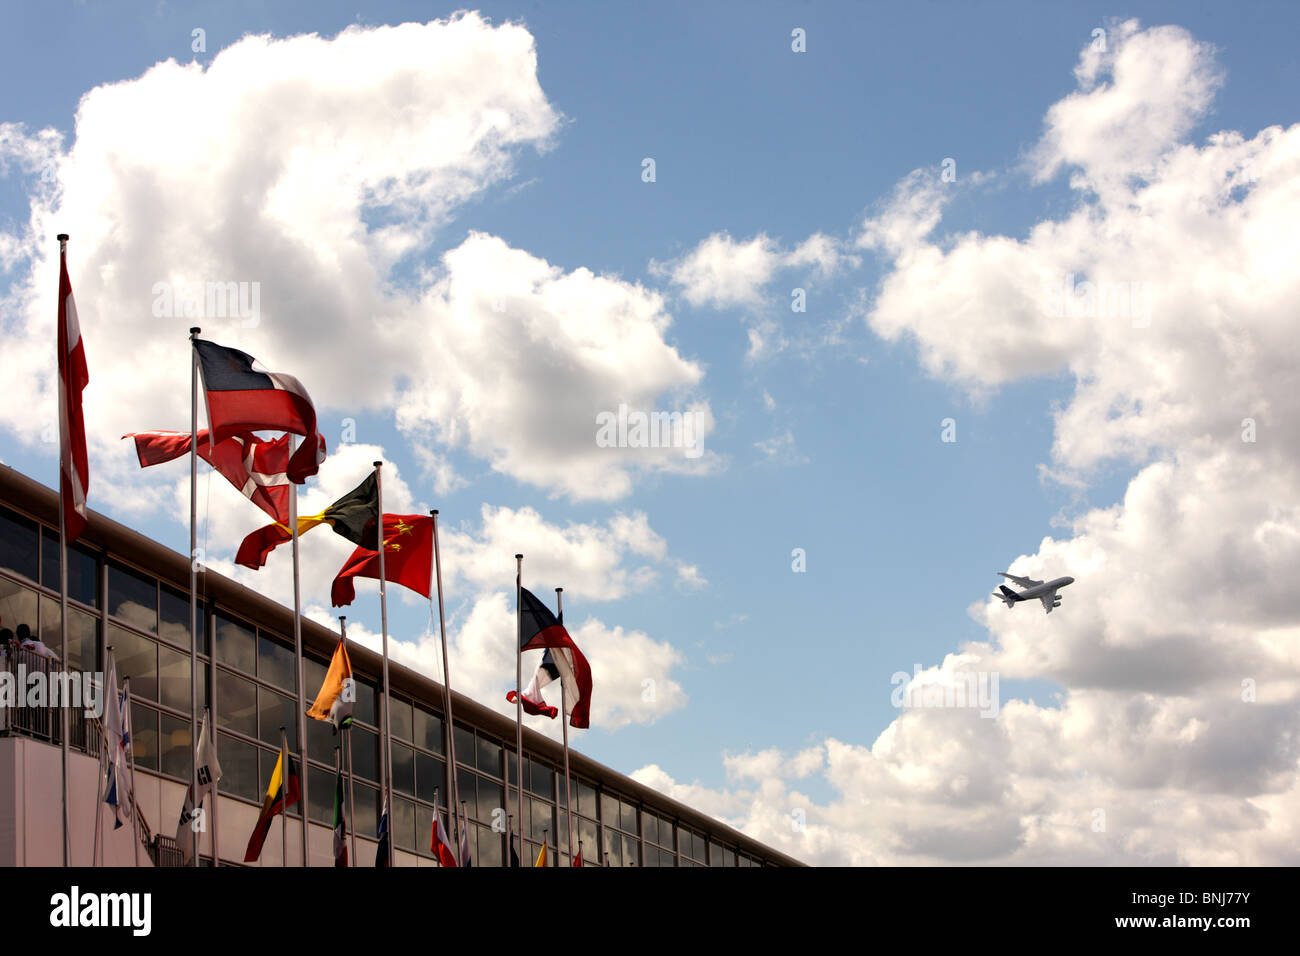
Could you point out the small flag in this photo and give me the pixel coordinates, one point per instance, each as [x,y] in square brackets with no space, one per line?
[353,516]
[256,467]
[381,852]
[465,858]
[74,376]
[209,775]
[541,856]
[539,629]
[577,860]
[439,841]
[337,693]
[117,738]
[274,803]
[408,558]
[340,831]
[242,396]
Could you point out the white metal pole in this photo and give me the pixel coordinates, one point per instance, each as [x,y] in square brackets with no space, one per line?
[298,661]
[383,623]
[194,586]
[564,723]
[446,673]
[519,691]
[63,571]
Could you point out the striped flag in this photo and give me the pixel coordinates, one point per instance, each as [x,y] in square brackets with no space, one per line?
[440,842]
[540,629]
[74,376]
[280,794]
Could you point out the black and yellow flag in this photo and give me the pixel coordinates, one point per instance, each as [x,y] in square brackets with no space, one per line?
[355,516]
[274,803]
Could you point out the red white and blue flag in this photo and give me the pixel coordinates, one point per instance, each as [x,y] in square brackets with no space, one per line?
[542,630]
[74,467]
[440,843]
[243,396]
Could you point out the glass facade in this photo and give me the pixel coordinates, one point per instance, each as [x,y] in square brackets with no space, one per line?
[249,672]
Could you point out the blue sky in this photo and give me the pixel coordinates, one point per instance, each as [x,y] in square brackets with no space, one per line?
[902,531]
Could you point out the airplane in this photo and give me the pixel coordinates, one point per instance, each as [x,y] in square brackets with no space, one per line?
[1044,591]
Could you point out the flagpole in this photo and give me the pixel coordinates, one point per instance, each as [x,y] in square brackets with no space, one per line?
[135,812]
[99,804]
[284,798]
[383,623]
[64,444]
[297,654]
[338,773]
[352,815]
[510,837]
[564,722]
[194,586]
[437,818]
[216,783]
[446,670]
[519,689]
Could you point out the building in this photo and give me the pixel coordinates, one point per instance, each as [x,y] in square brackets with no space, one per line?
[131,593]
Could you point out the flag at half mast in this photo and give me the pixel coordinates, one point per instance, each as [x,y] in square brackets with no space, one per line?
[280,794]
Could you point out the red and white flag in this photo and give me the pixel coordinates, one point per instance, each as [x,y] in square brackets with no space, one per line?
[74,468]
[256,466]
[440,844]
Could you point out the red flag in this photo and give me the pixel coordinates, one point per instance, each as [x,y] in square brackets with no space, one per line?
[408,558]
[244,397]
[540,629]
[74,468]
[577,860]
[253,465]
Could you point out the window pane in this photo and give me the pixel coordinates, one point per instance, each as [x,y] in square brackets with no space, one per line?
[314,676]
[236,645]
[539,814]
[18,546]
[585,802]
[274,712]
[365,755]
[465,745]
[401,720]
[666,835]
[18,611]
[428,731]
[275,663]
[144,736]
[83,569]
[404,824]
[489,756]
[630,851]
[423,829]
[650,826]
[541,779]
[320,791]
[587,841]
[429,776]
[175,746]
[174,616]
[238,768]
[490,847]
[403,768]
[83,632]
[137,658]
[489,799]
[608,810]
[367,814]
[465,781]
[614,847]
[627,817]
[321,741]
[366,708]
[236,704]
[173,679]
[133,597]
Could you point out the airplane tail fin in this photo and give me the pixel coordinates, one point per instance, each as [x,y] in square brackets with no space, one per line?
[1007,595]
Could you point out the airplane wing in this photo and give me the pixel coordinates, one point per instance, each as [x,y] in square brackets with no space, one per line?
[1049,601]
[1023,582]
